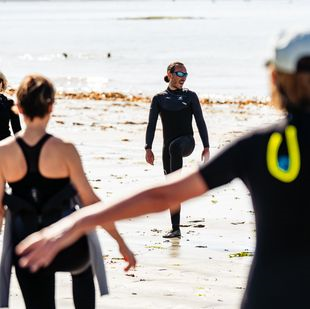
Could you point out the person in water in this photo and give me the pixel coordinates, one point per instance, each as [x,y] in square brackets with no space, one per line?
[274,164]
[45,175]
[7,115]
[176,107]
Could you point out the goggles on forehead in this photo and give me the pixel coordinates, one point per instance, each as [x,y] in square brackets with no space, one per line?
[180,74]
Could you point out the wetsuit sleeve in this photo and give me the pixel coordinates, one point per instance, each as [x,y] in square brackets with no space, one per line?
[14,118]
[230,163]
[201,125]
[151,126]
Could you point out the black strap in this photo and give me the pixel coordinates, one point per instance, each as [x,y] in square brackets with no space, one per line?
[32,153]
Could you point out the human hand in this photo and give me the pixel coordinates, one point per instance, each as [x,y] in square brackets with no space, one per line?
[128,256]
[39,249]
[149,156]
[205,155]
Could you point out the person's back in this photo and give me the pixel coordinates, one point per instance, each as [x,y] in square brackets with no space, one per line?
[53,160]
[47,183]
[277,174]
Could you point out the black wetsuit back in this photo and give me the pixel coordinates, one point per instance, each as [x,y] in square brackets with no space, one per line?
[36,190]
[7,116]
[280,273]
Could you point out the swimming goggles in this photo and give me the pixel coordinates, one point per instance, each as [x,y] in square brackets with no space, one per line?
[180,74]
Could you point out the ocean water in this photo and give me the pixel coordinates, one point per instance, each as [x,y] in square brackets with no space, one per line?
[223,43]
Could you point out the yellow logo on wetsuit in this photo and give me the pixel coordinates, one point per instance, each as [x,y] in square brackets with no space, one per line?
[291,172]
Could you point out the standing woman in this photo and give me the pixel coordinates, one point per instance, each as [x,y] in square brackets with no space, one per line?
[44,174]
[274,164]
[176,107]
[7,115]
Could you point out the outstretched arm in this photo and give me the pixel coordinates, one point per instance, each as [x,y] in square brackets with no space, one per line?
[48,242]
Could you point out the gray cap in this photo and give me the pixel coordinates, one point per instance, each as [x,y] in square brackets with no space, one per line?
[290,47]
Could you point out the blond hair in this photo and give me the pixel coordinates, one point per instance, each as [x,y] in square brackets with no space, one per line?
[4,81]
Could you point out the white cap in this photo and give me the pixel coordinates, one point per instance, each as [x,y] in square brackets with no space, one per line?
[290,47]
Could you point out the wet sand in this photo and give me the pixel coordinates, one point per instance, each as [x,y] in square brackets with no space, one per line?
[202,269]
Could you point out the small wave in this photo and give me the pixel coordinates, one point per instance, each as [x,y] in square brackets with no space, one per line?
[161,18]
[64,56]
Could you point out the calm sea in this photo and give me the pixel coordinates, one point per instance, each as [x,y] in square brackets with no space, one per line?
[126,45]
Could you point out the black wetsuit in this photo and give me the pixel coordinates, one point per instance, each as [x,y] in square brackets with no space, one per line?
[7,116]
[38,288]
[176,109]
[280,272]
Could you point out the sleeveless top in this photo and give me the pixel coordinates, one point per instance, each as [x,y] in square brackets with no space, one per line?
[45,194]
[34,187]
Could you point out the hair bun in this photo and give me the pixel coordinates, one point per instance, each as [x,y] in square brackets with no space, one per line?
[166,79]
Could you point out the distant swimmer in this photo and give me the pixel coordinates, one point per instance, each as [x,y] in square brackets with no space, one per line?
[7,115]
[65,55]
[176,107]
[273,163]
[109,55]
[47,183]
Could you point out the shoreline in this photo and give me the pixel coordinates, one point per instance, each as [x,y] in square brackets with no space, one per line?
[126,97]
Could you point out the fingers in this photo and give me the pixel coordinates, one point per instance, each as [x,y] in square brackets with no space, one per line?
[150,160]
[149,157]
[35,260]
[131,262]
[33,263]
[28,244]
[35,252]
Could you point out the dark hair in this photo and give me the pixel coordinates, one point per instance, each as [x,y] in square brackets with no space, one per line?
[171,68]
[35,94]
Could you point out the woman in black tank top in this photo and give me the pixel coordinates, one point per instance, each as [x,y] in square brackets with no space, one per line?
[46,176]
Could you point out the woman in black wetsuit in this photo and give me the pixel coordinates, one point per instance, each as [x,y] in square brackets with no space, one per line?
[7,115]
[176,107]
[44,174]
[275,166]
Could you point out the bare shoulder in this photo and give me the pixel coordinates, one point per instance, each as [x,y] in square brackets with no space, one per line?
[63,147]
[7,145]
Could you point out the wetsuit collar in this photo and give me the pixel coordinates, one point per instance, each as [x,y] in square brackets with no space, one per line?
[177,91]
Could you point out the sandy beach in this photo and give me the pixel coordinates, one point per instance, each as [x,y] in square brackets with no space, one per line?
[107,59]
[202,269]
